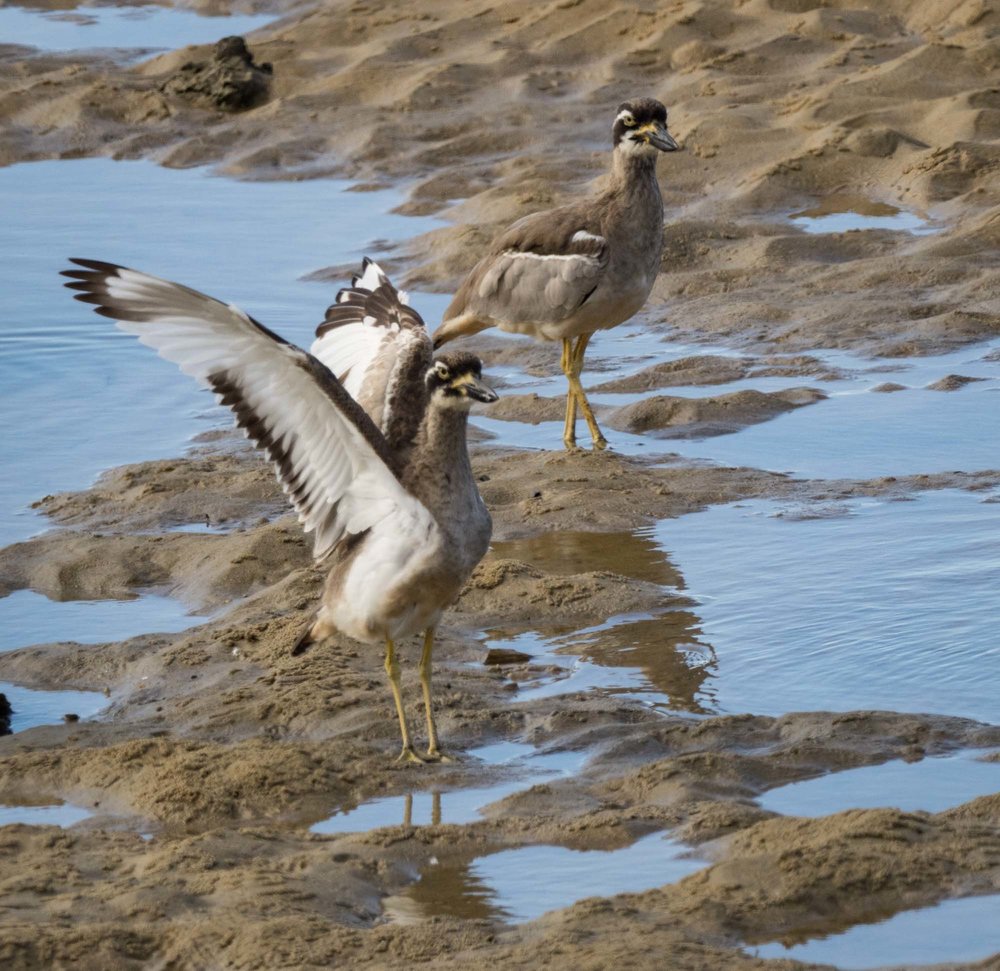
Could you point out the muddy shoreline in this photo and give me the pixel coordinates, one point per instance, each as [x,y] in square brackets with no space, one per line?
[218,750]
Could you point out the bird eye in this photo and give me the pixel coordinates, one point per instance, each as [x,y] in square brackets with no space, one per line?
[442,371]
[628,121]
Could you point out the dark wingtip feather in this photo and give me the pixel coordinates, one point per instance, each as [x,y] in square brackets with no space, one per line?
[100,265]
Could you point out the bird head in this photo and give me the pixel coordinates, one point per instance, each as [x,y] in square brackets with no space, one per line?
[456,380]
[641,128]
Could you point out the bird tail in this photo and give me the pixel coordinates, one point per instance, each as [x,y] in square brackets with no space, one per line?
[305,640]
[319,629]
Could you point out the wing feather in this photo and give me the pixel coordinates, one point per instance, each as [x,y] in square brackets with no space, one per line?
[332,462]
[541,270]
[380,349]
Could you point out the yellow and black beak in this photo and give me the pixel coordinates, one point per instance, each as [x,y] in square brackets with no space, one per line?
[655,133]
[472,387]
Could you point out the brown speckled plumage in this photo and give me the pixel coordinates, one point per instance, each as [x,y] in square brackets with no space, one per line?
[569,272]
[380,473]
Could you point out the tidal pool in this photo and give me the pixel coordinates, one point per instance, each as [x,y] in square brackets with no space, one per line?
[956,931]
[519,885]
[27,618]
[842,213]
[33,707]
[931,785]
[148,27]
[58,814]
[424,808]
[853,433]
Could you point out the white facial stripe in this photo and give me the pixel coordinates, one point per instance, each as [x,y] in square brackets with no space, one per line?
[582,236]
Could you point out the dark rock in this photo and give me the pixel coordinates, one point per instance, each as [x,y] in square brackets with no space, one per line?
[504,655]
[230,81]
[6,713]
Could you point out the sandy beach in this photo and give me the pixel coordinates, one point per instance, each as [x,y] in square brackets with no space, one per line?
[219,750]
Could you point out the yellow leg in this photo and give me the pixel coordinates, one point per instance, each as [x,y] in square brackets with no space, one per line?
[433,752]
[392,669]
[569,430]
[577,392]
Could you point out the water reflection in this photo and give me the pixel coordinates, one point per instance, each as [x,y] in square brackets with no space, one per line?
[524,883]
[32,707]
[653,658]
[27,618]
[956,931]
[631,554]
[841,213]
[657,658]
[527,766]
[445,889]
[801,611]
[666,649]
[932,785]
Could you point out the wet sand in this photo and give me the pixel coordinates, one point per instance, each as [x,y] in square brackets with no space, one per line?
[225,749]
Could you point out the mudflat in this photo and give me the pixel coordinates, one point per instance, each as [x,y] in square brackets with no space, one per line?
[219,751]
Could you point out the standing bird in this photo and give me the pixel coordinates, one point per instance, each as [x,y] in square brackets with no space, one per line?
[366,435]
[568,272]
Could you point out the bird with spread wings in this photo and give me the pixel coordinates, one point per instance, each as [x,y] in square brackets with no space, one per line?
[367,436]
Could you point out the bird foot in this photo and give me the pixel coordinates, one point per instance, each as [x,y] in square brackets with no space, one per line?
[571,446]
[408,755]
[600,444]
[434,755]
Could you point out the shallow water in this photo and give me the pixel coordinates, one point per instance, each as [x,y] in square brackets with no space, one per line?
[655,659]
[147,27]
[33,708]
[839,606]
[812,606]
[60,814]
[931,785]
[423,808]
[29,618]
[854,433]
[89,397]
[791,607]
[841,213]
[954,931]
[522,884]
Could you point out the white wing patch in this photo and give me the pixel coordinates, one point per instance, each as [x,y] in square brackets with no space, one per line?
[349,350]
[326,459]
[364,340]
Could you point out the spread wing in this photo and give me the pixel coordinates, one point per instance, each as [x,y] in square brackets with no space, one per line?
[330,459]
[542,269]
[378,347]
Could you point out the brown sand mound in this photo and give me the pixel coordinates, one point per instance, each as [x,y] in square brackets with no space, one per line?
[683,417]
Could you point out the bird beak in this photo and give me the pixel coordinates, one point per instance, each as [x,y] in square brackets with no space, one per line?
[475,389]
[656,134]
